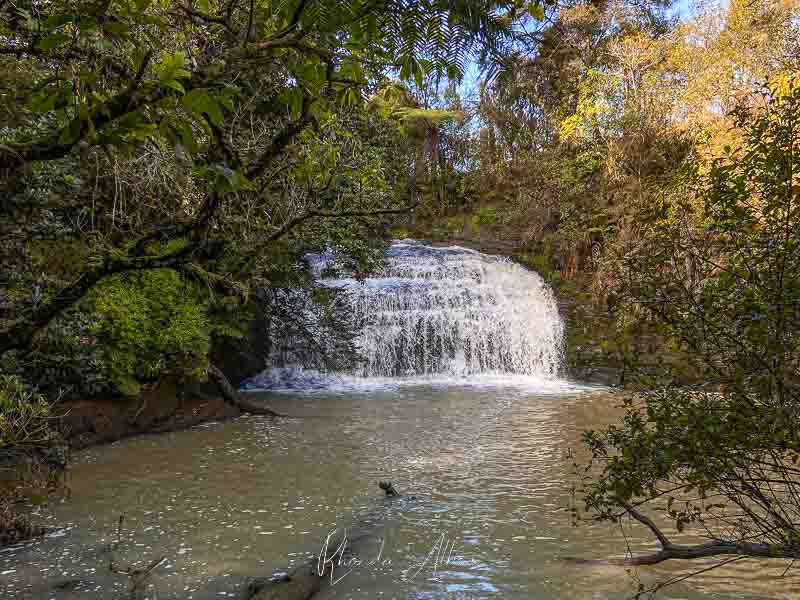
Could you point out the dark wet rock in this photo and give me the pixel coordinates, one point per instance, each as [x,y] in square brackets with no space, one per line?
[21,531]
[67,585]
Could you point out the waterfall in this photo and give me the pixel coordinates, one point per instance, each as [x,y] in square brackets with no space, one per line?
[445,313]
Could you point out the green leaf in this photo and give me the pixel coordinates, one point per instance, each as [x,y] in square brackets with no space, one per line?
[293,98]
[173,66]
[406,69]
[536,10]
[188,140]
[70,133]
[175,85]
[419,73]
[201,102]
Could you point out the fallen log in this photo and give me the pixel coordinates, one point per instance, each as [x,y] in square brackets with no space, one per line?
[333,562]
[233,396]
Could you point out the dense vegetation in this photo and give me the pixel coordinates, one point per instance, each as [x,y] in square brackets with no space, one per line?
[646,162]
[674,193]
[165,167]
[162,162]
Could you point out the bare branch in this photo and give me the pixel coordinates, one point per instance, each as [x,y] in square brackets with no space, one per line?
[224,21]
[645,520]
[249,31]
[280,141]
[232,395]
[670,551]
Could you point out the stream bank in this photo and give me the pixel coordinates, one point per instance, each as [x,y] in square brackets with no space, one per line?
[171,404]
[86,423]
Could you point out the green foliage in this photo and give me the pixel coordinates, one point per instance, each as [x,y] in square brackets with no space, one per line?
[486,215]
[140,102]
[733,305]
[32,454]
[155,322]
[170,185]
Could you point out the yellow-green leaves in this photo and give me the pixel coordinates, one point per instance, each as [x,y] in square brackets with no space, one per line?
[172,69]
[785,84]
[293,99]
[151,319]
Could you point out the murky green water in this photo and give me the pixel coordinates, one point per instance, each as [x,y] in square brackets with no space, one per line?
[491,469]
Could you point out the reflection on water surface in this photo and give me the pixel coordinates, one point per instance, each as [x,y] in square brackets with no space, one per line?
[226,501]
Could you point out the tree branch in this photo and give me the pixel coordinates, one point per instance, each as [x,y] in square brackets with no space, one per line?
[224,21]
[233,396]
[647,521]
[21,333]
[294,21]
[51,147]
[670,551]
[280,141]
[314,214]
[249,32]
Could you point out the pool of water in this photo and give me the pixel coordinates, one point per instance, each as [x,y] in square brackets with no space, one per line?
[490,466]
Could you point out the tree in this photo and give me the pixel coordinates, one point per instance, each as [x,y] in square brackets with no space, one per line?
[717,262]
[200,139]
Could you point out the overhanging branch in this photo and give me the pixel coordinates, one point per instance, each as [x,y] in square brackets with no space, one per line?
[22,332]
[322,214]
[670,551]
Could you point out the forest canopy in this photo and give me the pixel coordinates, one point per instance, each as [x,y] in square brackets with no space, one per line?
[160,162]
[166,166]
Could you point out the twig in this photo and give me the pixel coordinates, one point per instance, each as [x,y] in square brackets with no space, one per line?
[674,580]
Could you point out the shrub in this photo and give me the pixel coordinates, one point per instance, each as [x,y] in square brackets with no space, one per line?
[24,418]
[154,321]
[31,458]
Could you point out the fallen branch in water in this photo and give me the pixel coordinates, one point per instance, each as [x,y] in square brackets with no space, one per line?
[233,396]
[671,551]
[310,577]
[137,577]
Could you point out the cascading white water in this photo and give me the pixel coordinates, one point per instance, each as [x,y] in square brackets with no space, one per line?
[454,311]
[445,313]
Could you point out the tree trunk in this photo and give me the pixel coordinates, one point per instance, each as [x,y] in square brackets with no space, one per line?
[232,395]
